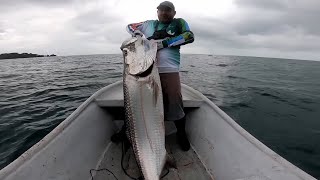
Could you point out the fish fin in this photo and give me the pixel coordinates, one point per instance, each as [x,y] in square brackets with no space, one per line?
[171,162]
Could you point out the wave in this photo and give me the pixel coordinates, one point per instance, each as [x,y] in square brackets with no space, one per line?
[222,65]
[9,76]
[210,96]
[273,96]
[235,77]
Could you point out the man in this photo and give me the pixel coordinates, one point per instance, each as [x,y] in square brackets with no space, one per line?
[170,34]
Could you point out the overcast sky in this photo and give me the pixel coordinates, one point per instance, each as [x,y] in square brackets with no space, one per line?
[268,28]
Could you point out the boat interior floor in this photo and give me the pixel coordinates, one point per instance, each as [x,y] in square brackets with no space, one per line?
[189,166]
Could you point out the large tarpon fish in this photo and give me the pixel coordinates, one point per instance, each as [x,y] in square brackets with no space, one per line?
[144,107]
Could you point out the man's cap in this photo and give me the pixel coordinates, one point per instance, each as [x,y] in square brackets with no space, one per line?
[166,4]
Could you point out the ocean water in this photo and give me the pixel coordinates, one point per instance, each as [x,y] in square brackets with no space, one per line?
[276,100]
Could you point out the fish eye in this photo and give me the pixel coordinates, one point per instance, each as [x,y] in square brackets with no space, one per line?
[125,51]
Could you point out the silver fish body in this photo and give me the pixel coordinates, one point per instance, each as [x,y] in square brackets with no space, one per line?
[144,106]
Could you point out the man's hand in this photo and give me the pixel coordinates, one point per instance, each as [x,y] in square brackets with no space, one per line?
[137,33]
[159,45]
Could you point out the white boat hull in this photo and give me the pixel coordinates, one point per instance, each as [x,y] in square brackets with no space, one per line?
[82,141]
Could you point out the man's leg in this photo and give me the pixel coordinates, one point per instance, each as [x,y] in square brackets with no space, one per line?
[119,136]
[173,106]
[181,134]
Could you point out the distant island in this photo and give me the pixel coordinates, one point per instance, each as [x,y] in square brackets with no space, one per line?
[22,55]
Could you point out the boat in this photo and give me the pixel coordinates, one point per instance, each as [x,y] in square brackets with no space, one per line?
[79,148]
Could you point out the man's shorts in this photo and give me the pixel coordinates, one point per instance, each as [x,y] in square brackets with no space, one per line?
[172,98]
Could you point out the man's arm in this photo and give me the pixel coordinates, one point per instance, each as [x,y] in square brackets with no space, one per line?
[185,37]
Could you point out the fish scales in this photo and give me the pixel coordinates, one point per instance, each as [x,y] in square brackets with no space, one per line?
[144,106]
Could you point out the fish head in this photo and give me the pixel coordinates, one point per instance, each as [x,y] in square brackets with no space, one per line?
[139,54]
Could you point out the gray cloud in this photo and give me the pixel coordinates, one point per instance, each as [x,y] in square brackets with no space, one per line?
[278,15]
[17,3]
[1,28]
[283,28]
[264,4]
[99,25]
[94,20]
[9,5]
[278,26]
[87,29]
[2,31]
[90,31]
[228,35]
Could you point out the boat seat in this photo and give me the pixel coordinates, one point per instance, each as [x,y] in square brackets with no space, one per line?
[114,98]
[187,103]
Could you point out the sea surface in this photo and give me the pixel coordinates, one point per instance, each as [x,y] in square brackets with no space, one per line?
[276,100]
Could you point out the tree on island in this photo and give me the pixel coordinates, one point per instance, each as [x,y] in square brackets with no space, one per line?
[22,55]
